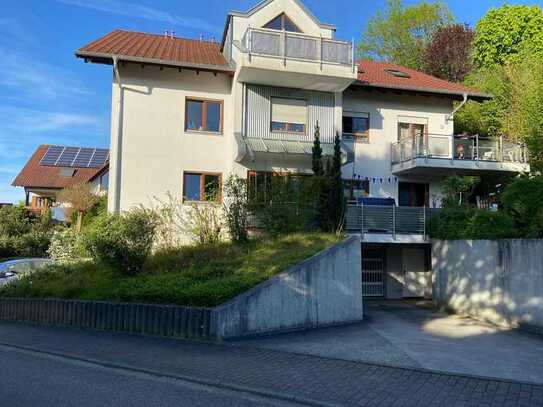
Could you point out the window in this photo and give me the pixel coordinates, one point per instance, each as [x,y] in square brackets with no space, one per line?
[415,134]
[282,22]
[357,125]
[397,73]
[204,187]
[203,115]
[288,115]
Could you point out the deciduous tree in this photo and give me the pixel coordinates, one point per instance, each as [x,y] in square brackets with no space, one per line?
[80,199]
[448,55]
[506,31]
[400,34]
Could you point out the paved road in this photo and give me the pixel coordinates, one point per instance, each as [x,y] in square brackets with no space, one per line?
[31,379]
[405,334]
[292,377]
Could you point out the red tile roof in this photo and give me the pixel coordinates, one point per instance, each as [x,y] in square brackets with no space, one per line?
[155,49]
[36,175]
[371,73]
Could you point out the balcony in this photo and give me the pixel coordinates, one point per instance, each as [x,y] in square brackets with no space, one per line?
[281,58]
[388,224]
[447,154]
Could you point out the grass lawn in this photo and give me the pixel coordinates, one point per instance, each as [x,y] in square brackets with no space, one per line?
[199,276]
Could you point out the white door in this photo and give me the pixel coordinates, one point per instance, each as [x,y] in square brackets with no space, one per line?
[414,272]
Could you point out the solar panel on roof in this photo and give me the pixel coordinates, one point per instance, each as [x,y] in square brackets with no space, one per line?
[59,156]
[51,155]
[83,157]
[67,157]
[100,157]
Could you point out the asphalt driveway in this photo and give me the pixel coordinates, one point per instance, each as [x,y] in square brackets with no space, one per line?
[413,335]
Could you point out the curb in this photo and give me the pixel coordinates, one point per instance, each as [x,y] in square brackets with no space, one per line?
[191,379]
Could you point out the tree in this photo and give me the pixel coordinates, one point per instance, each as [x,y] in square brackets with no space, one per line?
[456,190]
[401,34]
[448,55]
[336,202]
[484,118]
[80,198]
[522,199]
[506,31]
[236,208]
[318,168]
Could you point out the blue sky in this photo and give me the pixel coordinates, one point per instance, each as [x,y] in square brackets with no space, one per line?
[47,96]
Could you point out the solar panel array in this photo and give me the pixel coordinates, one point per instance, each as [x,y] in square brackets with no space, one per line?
[59,156]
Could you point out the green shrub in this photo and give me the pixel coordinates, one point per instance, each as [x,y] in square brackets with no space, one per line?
[35,243]
[14,221]
[122,241]
[236,208]
[455,223]
[9,247]
[522,199]
[202,275]
[66,245]
[293,205]
[201,222]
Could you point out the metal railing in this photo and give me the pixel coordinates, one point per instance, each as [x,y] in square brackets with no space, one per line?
[392,220]
[289,45]
[451,147]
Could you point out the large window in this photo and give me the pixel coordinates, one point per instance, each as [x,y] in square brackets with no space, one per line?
[202,187]
[288,115]
[203,115]
[357,125]
[282,22]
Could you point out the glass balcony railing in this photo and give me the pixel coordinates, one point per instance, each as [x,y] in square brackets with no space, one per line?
[288,45]
[450,147]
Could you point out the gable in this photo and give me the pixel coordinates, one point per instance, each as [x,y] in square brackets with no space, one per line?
[266,11]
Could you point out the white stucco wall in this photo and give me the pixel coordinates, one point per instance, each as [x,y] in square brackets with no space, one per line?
[155,147]
[386,110]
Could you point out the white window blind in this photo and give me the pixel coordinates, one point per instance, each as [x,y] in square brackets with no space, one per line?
[289,111]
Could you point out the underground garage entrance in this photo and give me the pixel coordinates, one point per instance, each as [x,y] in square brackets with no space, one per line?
[395,271]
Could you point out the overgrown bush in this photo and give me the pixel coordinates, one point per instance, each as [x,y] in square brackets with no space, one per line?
[66,245]
[236,208]
[522,199]
[23,235]
[293,206]
[122,241]
[169,215]
[14,221]
[202,223]
[458,223]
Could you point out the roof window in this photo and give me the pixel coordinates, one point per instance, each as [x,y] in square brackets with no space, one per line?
[397,73]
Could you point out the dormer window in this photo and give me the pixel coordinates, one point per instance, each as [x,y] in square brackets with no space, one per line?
[283,23]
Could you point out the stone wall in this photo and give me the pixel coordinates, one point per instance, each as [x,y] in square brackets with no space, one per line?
[497,281]
[324,290]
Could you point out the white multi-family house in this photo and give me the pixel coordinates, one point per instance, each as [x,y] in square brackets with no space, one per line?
[186,113]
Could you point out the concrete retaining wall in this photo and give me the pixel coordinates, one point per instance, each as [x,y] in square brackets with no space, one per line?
[324,290]
[161,320]
[497,281]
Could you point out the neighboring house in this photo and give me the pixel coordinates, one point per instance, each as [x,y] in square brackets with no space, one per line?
[52,168]
[187,113]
